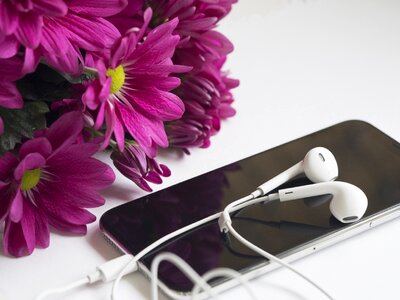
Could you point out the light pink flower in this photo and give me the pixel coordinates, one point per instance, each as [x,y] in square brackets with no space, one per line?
[50,182]
[132,91]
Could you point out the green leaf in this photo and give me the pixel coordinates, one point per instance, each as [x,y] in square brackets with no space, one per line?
[45,84]
[20,123]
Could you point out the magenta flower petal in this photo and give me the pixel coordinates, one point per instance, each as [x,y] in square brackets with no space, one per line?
[31,61]
[9,95]
[215,43]
[153,177]
[69,63]
[136,165]
[1,126]
[99,8]
[8,47]
[167,107]
[51,7]
[75,155]
[67,227]
[8,18]
[67,213]
[119,134]
[89,33]
[19,238]
[143,130]
[29,162]
[58,195]
[29,31]
[16,207]
[86,198]
[39,145]
[10,69]
[133,7]
[7,163]
[54,40]
[110,119]
[42,230]
[65,130]
[7,195]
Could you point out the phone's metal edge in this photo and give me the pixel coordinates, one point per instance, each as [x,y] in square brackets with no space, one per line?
[289,256]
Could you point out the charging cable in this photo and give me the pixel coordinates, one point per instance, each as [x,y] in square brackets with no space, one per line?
[115,269]
[105,272]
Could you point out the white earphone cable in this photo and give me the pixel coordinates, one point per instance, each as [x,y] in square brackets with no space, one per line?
[241,203]
[184,267]
[226,226]
[224,272]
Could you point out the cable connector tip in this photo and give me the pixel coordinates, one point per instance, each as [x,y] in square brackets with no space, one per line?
[111,269]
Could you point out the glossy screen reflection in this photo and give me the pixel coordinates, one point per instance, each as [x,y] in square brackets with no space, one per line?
[366,158]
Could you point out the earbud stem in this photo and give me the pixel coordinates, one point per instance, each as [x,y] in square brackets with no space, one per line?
[280,179]
[306,191]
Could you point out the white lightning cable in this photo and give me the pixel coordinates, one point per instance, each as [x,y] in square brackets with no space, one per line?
[65,289]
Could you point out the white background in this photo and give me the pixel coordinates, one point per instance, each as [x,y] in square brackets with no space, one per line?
[303,65]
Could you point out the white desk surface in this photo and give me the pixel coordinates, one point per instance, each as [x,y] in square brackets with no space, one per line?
[303,65]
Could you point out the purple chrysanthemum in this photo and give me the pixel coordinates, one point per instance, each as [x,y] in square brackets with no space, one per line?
[207,97]
[132,91]
[56,29]
[134,164]
[197,19]
[50,182]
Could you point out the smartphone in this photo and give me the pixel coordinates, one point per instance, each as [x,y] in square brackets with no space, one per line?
[366,157]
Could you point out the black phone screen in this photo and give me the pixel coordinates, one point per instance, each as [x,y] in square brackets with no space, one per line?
[366,157]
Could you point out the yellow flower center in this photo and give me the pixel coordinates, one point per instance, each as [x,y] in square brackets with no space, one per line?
[30,179]
[117,78]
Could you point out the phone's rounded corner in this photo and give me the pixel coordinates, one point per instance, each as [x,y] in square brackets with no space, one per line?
[101,221]
[357,122]
[105,219]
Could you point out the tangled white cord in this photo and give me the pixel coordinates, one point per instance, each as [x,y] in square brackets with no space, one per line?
[200,282]
[225,223]
[125,264]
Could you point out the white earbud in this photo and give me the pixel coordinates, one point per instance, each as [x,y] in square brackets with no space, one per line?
[348,203]
[319,165]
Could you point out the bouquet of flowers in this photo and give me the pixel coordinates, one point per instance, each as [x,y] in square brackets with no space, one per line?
[82,76]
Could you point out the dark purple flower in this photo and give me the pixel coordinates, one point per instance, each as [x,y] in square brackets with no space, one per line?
[207,98]
[132,91]
[50,182]
[197,19]
[215,8]
[134,164]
